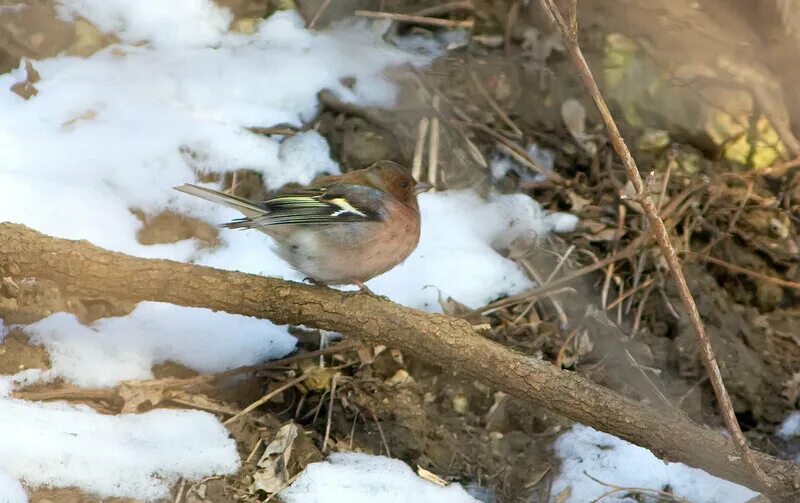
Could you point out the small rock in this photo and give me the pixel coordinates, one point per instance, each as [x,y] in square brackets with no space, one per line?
[460,404]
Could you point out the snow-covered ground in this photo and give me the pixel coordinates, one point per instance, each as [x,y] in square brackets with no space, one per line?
[110,133]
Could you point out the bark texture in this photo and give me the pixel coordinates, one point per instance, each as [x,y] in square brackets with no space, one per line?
[79,267]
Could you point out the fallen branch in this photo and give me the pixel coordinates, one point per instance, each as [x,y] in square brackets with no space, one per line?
[82,269]
[569,35]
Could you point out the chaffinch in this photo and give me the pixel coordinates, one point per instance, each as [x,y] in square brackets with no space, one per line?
[341,229]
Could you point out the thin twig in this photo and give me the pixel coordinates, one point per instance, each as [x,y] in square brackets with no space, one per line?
[255,449]
[518,153]
[525,296]
[284,486]
[419,148]
[322,8]
[353,430]
[643,490]
[733,267]
[266,398]
[380,430]
[334,380]
[630,292]
[277,130]
[407,18]
[445,8]
[433,145]
[663,238]
[495,106]
[640,311]
[179,496]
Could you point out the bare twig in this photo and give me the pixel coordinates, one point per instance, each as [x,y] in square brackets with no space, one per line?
[433,145]
[266,398]
[445,8]
[662,236]
[733,267]
[495,106]
[318,14]
[419,149]
[629,250]
[407,18]
[630,292]
[334,380]
[380,430]
[640,490]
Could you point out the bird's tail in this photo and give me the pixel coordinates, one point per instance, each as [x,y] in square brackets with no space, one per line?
[248,208]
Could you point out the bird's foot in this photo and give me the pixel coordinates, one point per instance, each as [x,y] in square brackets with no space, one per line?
[363,289]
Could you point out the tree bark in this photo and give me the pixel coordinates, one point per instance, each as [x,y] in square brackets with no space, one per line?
[81,268]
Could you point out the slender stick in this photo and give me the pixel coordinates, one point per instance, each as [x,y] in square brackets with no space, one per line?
[266,398]
[318,14]
[495,106]
[407,18]
[433,145]
[419,149]
[330,412]
[643,197]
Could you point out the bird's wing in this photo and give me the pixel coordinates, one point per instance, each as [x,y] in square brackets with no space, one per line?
[339,203]
[248,208]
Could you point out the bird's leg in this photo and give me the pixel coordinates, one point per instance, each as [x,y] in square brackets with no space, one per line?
[312,281]
[363,288]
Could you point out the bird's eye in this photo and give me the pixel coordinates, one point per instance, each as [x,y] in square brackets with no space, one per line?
[405,185]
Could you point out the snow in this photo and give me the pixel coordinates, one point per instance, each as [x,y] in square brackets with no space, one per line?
[11,491]
[115,132]
[790,427]
[615,461]
[357,478]
[185,23]
[130,454]
[127,347]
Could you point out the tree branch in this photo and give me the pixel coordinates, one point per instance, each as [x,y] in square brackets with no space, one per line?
[662,236]
[79,268]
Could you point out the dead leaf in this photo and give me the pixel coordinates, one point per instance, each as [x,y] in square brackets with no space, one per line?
[26,88]
[274,474]
[431,477]
[319,379]
[574,116]
[563,495]
[88,115]
[137,393]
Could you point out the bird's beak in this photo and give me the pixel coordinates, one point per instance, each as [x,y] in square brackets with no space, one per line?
[421,187]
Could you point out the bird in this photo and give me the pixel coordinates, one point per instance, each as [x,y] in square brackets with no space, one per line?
[339,230]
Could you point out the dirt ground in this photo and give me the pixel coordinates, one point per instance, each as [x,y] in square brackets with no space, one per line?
[683,79]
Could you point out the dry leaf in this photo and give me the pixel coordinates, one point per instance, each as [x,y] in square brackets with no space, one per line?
[431,477]
[574,116]
[137,393]
[26,88]
[563,495]
[273,474]
[85,116]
